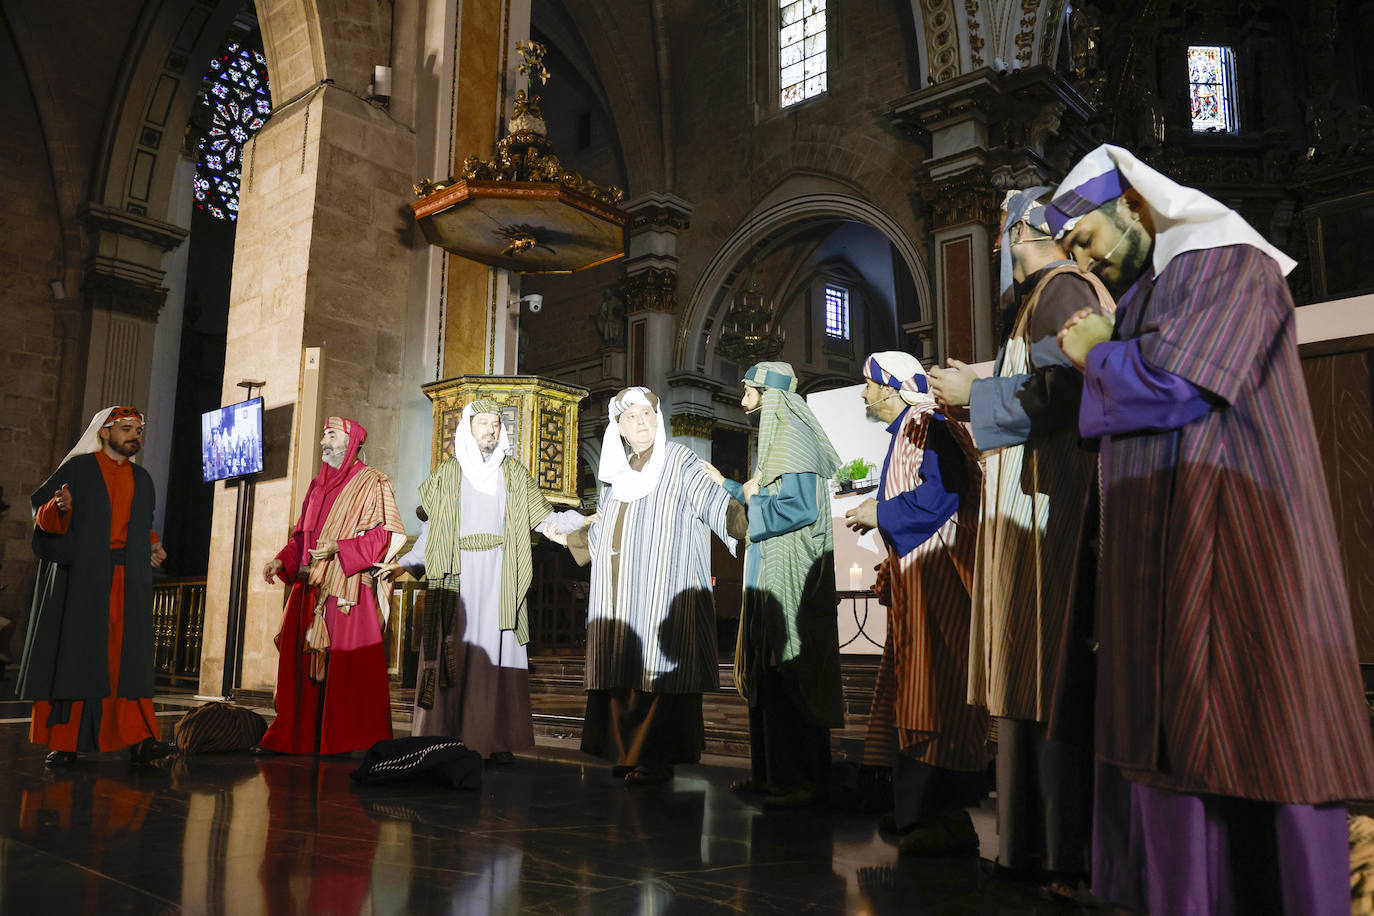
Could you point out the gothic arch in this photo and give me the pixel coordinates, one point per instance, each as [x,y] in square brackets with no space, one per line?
[776,215]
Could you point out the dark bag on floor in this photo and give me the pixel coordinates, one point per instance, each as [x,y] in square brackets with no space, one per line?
[218,727]
[443,760]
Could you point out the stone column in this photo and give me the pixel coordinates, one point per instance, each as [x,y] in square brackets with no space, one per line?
[123,295]
[320,262]
[649,289]
[964,177]
[693,413]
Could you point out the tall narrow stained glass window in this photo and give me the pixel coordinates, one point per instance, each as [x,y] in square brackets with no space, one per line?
[1212,89]
[801,49]
[837,312]
[239,102]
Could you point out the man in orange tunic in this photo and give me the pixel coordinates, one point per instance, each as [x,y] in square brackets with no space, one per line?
[88,658]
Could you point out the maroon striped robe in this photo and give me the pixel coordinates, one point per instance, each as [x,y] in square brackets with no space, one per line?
[1227,661]
[922,685]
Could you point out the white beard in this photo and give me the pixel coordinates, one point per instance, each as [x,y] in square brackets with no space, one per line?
[334,457]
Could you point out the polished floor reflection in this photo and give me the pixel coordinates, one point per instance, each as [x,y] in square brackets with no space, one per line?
[555,833]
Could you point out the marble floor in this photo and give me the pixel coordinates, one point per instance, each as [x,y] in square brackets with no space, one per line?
[554,833]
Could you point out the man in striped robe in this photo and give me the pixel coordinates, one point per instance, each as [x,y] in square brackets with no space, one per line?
[927,514]
[1230,717]
[332,693]
[1026,605]
[651,625]
[787,655]
[481,505]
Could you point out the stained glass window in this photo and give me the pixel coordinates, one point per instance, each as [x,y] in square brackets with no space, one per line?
[1212,89]
[801,49]
[239,102]
[837,312]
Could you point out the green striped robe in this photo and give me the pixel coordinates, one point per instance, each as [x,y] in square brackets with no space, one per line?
[526,507]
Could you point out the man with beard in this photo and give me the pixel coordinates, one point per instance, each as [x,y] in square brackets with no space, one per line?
[481,505]
[88,658]
[1230,718]
[1027,609]
[787,655]
[332,695]
[927,514]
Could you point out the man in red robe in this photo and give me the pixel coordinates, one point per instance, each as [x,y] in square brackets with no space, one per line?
[88,658]
[332,693]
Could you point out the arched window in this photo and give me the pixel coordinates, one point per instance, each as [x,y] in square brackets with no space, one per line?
[238,101]
[1212,89]
[801,50]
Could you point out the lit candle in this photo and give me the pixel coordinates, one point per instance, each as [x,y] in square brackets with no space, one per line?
[855,575]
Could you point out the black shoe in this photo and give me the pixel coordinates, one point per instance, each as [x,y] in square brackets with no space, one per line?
[648,776]
[149,750]
[501,758]
[803,797]
[60,758]
[888,824]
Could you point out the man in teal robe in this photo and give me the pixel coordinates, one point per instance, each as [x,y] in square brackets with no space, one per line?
[787,657]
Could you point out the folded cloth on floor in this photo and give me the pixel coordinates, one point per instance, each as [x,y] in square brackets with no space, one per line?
[218,727]
[442,760]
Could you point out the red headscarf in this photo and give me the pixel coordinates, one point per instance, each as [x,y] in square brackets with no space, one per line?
[329,481]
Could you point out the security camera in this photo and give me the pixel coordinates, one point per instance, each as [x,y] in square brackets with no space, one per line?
[534,302]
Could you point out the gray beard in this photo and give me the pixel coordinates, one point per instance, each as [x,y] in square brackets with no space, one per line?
[332,457]
[486,452]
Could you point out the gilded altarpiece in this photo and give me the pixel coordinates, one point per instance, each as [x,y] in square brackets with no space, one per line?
[539,413]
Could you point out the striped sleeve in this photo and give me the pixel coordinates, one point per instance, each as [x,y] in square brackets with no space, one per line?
[1212,313]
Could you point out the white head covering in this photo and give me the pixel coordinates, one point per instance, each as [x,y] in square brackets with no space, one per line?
[903,372]
[1185,219]
[90,439]
[482,473]
[627,484]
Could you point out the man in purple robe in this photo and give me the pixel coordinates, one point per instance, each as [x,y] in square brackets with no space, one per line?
[1230,718]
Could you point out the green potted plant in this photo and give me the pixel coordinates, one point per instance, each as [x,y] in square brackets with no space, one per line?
[851,473]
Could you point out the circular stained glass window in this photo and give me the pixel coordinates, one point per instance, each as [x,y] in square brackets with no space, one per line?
[237,95]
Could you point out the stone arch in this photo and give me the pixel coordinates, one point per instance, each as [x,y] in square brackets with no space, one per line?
[779,214]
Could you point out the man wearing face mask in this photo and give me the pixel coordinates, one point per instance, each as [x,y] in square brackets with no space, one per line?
[481,505]
[787,655]
[651,623]
[1230,717]
[1027,597]
[332,694]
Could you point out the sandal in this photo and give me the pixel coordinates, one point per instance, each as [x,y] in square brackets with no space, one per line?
[1071,894]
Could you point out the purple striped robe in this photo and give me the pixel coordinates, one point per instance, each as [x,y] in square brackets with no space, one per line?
[1227,661]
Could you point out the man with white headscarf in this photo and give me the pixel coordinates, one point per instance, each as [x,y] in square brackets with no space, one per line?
[651,625]
[1031,615]
[927,514]
[787,655]
[88,658]
[481,505]
[1230,717]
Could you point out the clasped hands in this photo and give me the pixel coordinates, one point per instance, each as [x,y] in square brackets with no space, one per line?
[750,486]
[1084,330]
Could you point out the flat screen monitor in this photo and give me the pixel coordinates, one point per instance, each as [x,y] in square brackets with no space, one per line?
[231,441]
